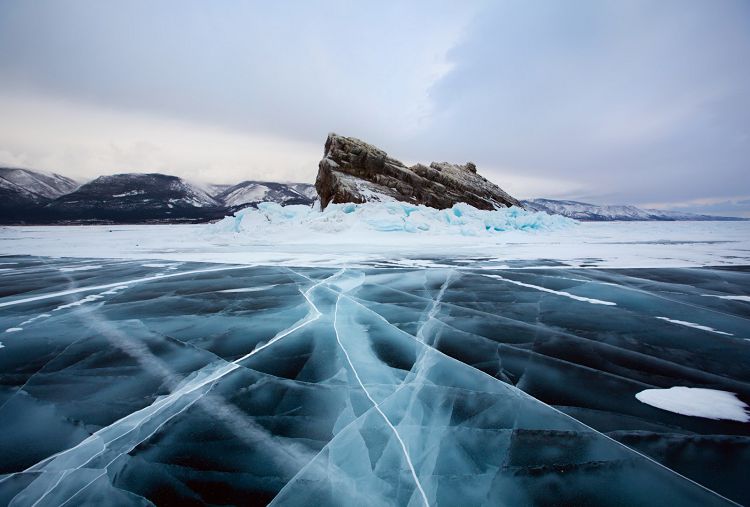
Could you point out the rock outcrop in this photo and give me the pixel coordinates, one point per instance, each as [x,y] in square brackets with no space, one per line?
[354,171]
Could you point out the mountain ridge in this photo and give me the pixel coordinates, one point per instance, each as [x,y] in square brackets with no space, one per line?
[609,213]
[34,197]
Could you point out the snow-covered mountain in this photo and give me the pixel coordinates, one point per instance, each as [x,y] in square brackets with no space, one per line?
[250,193]
[137,197]
[606,213]
[33,197]
[26,187]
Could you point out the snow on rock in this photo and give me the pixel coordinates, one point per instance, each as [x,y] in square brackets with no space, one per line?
[387,217]
[697,402]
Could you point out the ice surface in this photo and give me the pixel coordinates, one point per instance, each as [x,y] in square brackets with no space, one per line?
[366,385]
[587,244]
[698,402]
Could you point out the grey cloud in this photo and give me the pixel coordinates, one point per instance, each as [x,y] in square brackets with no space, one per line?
[635,101]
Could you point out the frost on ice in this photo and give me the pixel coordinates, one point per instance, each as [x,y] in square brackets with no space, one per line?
[461,219]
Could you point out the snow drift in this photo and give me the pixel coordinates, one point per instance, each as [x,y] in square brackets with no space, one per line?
[387,217]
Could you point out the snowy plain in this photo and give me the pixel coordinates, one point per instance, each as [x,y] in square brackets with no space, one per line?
[381,233]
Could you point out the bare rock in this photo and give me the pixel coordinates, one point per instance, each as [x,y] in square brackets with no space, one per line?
[354,171]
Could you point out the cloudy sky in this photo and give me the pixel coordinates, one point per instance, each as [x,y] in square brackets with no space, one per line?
[622,101]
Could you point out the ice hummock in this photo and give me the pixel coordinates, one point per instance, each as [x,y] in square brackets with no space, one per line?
[389,217]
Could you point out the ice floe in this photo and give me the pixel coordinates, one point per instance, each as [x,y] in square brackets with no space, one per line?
[697,402]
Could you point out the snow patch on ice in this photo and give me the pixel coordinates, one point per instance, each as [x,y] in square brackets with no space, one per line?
[731,298]
[386,217]
[249,289]
[697,402]
[114,290]
[33,319]
[87,299]
[551,291]
[80,268]
[694,325]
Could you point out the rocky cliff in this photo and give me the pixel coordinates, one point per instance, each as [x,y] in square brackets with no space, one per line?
[354,171]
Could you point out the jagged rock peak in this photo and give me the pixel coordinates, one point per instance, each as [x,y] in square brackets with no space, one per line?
[354,171]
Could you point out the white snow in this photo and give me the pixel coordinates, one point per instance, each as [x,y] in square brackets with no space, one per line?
[586,211]
[551,291]
[80,268]
[33,319]
[132,192]
[588,244]
[249,289]
[697,402]
[243,195]
[731,298]
[694,325]
[87,299]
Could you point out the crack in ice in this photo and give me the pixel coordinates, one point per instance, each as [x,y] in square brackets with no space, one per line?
[116,284]
[377,407]
[147,414]
[551,291]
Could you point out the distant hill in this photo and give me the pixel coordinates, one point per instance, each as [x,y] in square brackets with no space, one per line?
[250,193]
[608,213]
[23,191]
[136,197]
[33,197]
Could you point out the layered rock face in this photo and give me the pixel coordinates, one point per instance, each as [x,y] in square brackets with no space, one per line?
[354,171]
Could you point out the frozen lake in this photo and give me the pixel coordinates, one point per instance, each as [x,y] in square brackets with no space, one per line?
[132,374]
[587,244]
